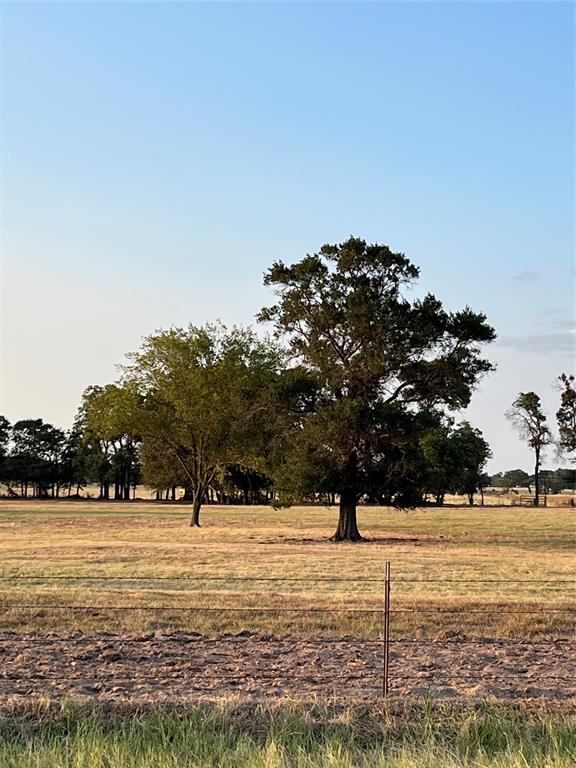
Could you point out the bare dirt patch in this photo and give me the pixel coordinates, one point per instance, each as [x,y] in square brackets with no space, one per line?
[365,540]
[163,667]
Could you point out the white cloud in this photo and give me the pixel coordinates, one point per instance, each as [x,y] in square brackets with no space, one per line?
[542,343]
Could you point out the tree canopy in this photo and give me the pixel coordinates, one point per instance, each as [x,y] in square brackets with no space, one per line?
[377,358]
[566,416]
[201,395]
[454,460]
[35,457]
[527,416]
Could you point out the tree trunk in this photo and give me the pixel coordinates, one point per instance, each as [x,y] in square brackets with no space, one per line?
[347,529]
[196,506]
[471,499]
[347,522]
[537,478]
[481,497]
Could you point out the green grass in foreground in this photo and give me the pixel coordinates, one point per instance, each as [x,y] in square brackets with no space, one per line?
[232,735]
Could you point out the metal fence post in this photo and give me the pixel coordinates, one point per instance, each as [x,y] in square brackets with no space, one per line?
[386,638]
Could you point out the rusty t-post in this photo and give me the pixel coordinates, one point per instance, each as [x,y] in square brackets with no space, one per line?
[386,639]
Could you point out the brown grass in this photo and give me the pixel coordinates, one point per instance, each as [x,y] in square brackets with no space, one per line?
[451,545]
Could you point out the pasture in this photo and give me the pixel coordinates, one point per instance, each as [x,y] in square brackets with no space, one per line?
[255,641]
[491,564]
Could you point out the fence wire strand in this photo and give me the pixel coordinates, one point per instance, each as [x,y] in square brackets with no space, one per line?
[305,579]
[284,609]
[207,678]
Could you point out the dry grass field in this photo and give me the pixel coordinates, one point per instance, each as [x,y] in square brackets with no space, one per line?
[478,571]
[265,652]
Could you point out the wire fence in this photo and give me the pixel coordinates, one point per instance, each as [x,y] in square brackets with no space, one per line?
[285,609]
[207,676]
[306,579]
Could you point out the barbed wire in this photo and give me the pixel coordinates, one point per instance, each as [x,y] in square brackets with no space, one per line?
[190,682]
[291,640]
[311,579]
[281,609]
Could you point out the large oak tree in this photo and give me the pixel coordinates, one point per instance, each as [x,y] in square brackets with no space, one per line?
[376,355]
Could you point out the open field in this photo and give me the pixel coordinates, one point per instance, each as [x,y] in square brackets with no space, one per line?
[266,645]
[125,601]
[478,571]
[287,735]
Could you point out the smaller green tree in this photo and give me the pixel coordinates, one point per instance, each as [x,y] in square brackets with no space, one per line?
[201,395]
[566,416]
[441,462]
[527,416]
[454,460]
[472,452]
[237,484]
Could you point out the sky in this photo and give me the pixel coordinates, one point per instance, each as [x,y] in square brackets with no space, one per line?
[157,157]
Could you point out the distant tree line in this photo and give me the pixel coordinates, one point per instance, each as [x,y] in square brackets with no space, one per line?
[552,480]
[39,460]
[350,401]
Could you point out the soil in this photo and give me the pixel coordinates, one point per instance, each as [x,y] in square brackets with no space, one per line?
[169,667]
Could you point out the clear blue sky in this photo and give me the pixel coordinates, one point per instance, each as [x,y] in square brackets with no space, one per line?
[157,157]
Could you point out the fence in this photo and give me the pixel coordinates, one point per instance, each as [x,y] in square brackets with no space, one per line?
[377,651]
[530,501]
